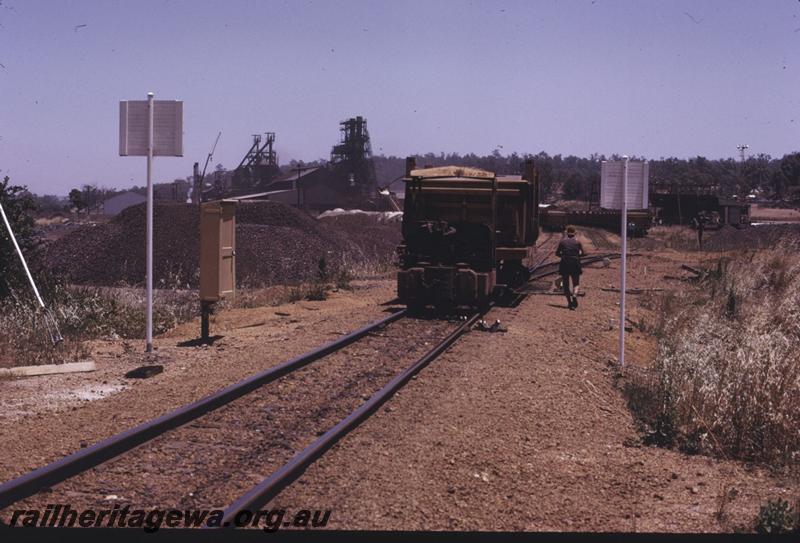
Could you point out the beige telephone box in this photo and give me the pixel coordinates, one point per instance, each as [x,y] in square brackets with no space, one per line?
[217,250]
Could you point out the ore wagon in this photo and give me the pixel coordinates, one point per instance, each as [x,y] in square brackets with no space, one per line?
[466,233]
[556,220]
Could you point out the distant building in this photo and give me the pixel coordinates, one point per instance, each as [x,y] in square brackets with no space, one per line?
[682,208]
[311,188]
[121,201]
[733,212]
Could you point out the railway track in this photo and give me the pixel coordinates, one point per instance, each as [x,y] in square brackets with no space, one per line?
[546,264]
[270,487]
[216,422]
[551,268]
[546,248]
[183,436]
[546,238]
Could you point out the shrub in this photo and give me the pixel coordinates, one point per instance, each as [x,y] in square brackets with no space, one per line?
[343,279]
[296,294]
[317,292]
[18,205]
[776,517]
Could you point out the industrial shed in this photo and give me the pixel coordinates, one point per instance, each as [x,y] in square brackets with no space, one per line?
[682,208]
[314,189]
[116,204]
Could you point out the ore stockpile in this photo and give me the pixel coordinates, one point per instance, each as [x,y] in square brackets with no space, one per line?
[275,244]
[758,237]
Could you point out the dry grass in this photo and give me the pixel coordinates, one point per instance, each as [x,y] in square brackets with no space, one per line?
[762,213]
[25,340]
[250,297]
[84,313]
[340,278]
[727,375]
[679,238]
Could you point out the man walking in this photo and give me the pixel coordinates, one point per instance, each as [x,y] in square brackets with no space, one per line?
[700,223]
[570,250]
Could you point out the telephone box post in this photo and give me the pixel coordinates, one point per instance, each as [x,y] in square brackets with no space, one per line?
[217,257]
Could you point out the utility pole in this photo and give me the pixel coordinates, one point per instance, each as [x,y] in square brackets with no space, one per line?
[202,177]
[742,148]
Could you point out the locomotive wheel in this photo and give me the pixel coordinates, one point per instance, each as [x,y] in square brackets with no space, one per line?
[514,273]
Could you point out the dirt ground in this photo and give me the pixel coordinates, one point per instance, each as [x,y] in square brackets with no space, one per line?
[522,430]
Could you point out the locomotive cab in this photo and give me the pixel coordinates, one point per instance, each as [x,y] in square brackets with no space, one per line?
[466,232]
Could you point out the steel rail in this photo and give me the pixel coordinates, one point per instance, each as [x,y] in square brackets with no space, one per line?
[289,472]
[536,272]
[552,241]
[284,476]
[78,462]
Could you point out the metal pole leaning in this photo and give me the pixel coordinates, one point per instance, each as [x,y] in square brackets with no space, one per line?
[21,257]
[149,294]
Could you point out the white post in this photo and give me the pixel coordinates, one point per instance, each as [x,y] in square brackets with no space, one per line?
[149,294]
[21,256]
[623,267]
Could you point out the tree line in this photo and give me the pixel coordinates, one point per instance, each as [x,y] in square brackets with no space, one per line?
[562,177]
[578,178]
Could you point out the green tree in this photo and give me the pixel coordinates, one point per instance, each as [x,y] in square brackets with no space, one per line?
[49,203]
[574,177]
[756,173]
[786,180]
[18,205]
[790,167]
[91,197]
[76,199]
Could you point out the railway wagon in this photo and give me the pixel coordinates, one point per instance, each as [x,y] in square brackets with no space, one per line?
[466,233]
[555,220]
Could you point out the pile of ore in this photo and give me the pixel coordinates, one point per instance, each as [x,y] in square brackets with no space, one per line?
[275,244]
[374,240]
[114,253]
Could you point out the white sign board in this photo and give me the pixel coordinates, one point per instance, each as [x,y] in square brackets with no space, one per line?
[167,128]
[611,184]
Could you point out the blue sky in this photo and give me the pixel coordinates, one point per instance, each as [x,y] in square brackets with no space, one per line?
[645,78]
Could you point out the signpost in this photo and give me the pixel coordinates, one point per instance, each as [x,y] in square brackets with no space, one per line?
[624,266]
[623,184]
[150,128]
[637,189]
